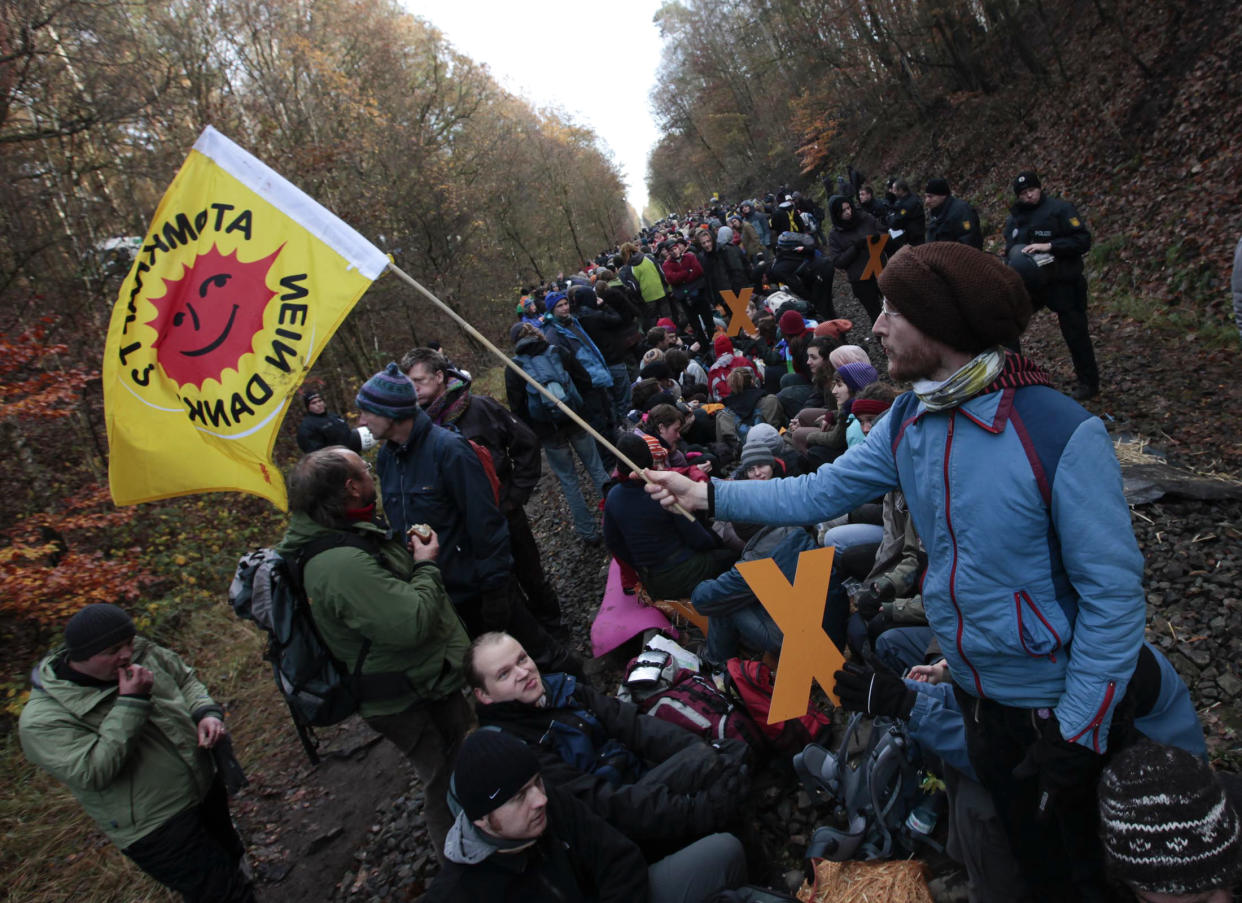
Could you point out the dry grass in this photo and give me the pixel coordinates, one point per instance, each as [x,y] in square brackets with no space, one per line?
[1134,451]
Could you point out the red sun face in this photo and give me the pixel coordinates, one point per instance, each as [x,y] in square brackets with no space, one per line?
[207,319]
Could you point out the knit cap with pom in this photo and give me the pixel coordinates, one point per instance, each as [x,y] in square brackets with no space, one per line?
[389,393]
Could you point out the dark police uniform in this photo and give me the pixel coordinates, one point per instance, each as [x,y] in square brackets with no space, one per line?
[955,220]
[1060,285]
[907,216]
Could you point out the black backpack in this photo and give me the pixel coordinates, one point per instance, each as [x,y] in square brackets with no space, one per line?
[318,688]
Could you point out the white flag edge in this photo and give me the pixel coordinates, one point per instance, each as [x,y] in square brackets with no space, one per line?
[274,188]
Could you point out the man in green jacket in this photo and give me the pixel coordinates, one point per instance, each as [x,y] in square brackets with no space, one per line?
[126,725]
[386,605]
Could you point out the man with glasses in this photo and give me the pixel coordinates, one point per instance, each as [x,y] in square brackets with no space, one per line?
[1034,579]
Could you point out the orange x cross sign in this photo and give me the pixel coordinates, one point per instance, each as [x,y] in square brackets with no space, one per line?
[875,247]
[740,319]
[798,611]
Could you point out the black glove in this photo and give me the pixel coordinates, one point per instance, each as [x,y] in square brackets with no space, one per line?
[863,689]
[877,626]
[1060,767]
[870,599]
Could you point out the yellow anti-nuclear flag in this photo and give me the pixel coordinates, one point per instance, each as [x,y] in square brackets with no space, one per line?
[241,281]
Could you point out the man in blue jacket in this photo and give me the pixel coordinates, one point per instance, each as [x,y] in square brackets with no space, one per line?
[429,475]
[1034,579]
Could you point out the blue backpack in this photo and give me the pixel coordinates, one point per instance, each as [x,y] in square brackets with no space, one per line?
[549,372]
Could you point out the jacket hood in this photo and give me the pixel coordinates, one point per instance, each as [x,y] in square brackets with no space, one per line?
[302,529]
[77,698]
[835,203]
[465,844]
[531,345]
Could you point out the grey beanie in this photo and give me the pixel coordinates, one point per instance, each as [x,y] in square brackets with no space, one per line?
[756,453]
[768,435]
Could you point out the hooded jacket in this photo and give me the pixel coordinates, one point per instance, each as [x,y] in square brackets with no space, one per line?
[401,608]
[132,762]
[435,478]
[847,243]
[513,445]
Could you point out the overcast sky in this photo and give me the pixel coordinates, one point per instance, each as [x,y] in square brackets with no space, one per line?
[594,61]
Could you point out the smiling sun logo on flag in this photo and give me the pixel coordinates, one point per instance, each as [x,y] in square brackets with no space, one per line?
[240,282]
[209,318]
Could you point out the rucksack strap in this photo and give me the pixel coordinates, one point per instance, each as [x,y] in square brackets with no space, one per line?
[365,687]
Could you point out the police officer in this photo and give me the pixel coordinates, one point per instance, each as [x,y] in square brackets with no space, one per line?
[1045,240]
[906,217]
[950,219]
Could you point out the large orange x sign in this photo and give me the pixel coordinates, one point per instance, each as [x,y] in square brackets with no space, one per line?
[740,319]
[875,247]
[798,611]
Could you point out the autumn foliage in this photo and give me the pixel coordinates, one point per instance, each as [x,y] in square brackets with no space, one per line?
[53,561]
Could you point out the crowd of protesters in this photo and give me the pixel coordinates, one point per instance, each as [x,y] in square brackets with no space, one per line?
[986,586]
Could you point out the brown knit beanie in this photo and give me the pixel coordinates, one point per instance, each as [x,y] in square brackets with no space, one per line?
[967,299]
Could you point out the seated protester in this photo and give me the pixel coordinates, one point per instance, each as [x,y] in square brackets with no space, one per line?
[321,428]
[890,595]
[735,615]
[687,371]
[833,439]
[763,350]
[756,463]
[820,401]
[727,360]
[768,438]
[653,781]
[926,702]
[664,423]
[646,395]
[660,371]
[1171,830]
[745,406]
[796,383]
[669,553]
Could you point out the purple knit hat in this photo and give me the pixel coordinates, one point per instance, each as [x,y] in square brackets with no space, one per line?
[856,375]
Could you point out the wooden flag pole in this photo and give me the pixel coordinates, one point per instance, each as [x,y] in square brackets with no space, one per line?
[512,365]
